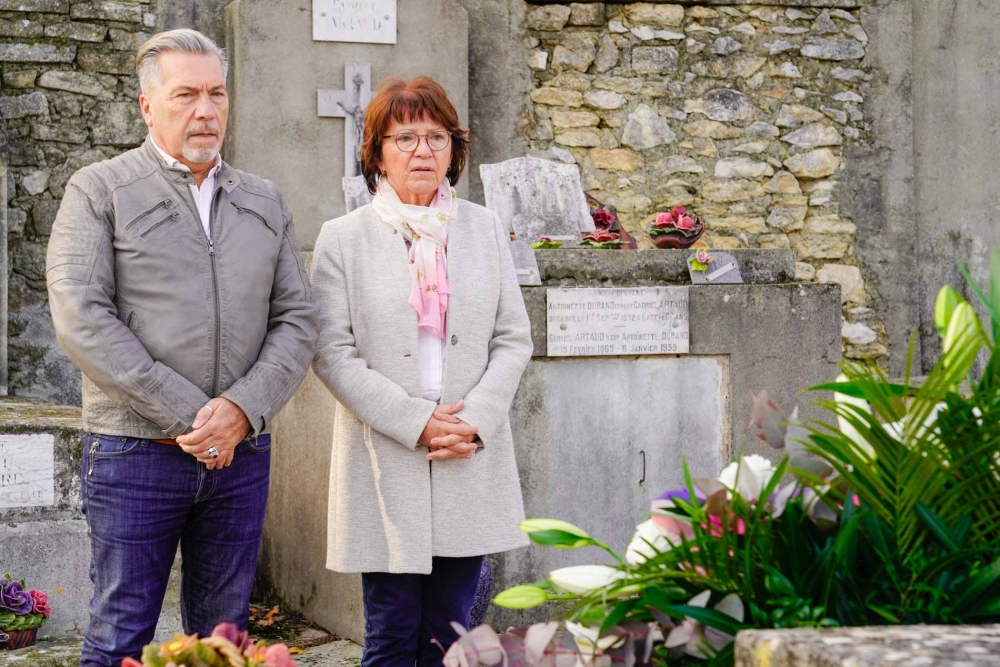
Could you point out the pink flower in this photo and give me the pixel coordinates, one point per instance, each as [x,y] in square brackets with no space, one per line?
[278,656]
[703,257]
[41,603]
[602,218]
[684,222]
[544,239]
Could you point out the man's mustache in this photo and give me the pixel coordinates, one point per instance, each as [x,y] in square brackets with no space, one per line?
[202,129]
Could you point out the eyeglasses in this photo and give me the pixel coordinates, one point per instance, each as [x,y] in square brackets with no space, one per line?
[407,142]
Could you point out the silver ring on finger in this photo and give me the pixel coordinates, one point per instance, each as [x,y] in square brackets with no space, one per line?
[213,452]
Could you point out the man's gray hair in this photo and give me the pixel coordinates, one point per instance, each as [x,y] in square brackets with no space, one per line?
[185,40]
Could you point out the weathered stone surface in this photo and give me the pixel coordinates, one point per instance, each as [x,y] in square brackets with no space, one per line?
[730,191]
[81,32]
[604,99]
[548,17]
[821,247]
[107,10]
[617,27]
[794,115]
[557,97]
[702,13]
[20,28]
[49,6]
[571,80]
[780,46]
[126,40]
[856,333]
[36,182]
[64,132]
[585,138]
[655,15]
[773,242]
[586,13]
[576,52]
[19,106]
[539,60]
[814,136]
[833,49]
[804,272]
[783,183]
[618,159]
[654,59]
[852,286]
[744,224]
[742,65]
[786,70]
[844,15]
[644,32]
[668,35]
[721,104]
[619,84]
[20,79]
[849,75]
[607,54]
[763,130]
[742,167]
[43,214]
[835,114]
[858,33]
[694,47]
[646,129]
[710,129]
[71,82]
[679,164]
[752,147]
[654,89]
[723,46]
[110,62]
[788,215]
[824,25]
[567,119]
[745,28]
[814,164]
[829,224]
[849,96]
[119,124]
[36,53]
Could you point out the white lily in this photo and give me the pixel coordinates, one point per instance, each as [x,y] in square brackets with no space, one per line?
[584,579]
[588,642]
[649,540]
[749,476]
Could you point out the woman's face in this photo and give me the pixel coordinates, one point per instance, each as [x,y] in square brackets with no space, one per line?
[415,174]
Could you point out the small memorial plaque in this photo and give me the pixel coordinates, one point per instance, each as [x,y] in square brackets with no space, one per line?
[617,322]
[722,269]
[27,467]
[364,21]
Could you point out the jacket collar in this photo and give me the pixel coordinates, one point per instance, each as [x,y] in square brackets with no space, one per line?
[227,177]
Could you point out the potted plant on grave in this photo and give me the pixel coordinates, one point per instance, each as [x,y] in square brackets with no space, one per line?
[546,243]
[225,647]
[887,514]
[606,219]
[22,612]
[603,241]
[677,229]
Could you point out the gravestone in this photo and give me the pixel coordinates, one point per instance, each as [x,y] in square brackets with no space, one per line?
[27,470]
[536,197]
[366,21]
[277,68]
[4,263]
[525,263]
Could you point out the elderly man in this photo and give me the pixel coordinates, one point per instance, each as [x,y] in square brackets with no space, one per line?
[177,288]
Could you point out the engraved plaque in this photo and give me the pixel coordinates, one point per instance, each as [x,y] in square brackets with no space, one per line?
[27,470]
[617,322]
[365,21]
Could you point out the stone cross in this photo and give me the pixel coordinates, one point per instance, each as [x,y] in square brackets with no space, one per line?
[349,103]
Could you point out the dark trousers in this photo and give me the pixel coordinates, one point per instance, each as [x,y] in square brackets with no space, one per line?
[141,499]
[406,613]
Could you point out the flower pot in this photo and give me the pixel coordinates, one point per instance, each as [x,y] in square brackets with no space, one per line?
[664,241]
[17,639]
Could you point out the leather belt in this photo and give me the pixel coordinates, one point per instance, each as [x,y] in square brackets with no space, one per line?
[166,442]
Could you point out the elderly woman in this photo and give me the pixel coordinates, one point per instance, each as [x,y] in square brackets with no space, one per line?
[423,339]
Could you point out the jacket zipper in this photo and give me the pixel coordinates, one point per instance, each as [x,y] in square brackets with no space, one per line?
[93,450]
[131,316]
[167,202]
[215,296]
[256,215]
[172,216]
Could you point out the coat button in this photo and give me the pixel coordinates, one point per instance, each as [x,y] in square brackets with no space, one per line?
[454,340]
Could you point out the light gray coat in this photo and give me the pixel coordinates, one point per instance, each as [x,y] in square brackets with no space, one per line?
[390,509]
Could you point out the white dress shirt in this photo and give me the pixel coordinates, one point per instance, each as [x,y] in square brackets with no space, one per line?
[203,195]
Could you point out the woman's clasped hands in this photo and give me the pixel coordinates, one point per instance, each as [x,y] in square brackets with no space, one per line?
[447,436]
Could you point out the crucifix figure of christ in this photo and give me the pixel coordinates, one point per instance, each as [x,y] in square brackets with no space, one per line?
[349,104]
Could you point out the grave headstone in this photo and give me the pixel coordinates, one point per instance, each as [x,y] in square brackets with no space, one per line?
[536,197]
[27,470]
[365,21]
[277,68]
[4,262]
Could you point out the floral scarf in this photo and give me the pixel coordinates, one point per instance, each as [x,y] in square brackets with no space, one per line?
[426,228]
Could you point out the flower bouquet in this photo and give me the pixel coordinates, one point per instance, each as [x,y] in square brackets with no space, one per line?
[546,243]
[677,229]
[225,647]
[603,241]
[606,219]
[22,612]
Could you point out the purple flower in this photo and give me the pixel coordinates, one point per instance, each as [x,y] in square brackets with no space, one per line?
[682,495]
[14,598]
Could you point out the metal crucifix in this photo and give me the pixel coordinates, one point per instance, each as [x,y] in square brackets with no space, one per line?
[349,104]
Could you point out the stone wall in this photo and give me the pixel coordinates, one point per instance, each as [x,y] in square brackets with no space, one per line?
[741,112]
[67,99]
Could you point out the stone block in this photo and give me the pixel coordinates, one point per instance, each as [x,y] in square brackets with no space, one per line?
[721,104]
[852,285]
[604,99]
[814,164]
[125,40]
[741,65]
[751,225]
[654,15]
[654,59]
[576,52]
[566,119]
[46,6]
[20,79]
[580,138]
[71,82]
[711,129]
[107,10]
[586,14]
[36,53]
[550,18]
[118,124]
[63,132]
[618,159]
[731,191]
[607,54]
[43,214]
[821,247]
[19,106]
[81,32]
[36,182]
[646,129]
[833,49]
[557,97]
[829,224]
[20,28]
[92,60]
[814,135]
[742,167]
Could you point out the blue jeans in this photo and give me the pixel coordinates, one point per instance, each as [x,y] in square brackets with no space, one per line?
[405,612]
[141,499]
